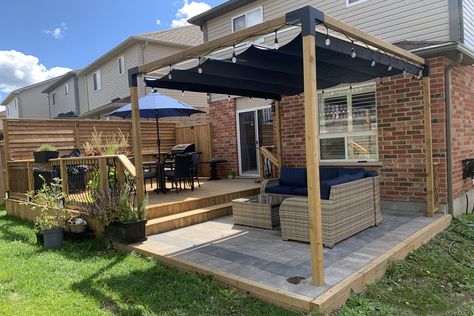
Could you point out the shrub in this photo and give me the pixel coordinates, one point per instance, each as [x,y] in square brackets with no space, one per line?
[46,147]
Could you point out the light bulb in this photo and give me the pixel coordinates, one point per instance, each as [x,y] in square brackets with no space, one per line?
[389,68]
[234,59]
[276,46]
[200,70]
[353,53]
[404,71]
[327,41]
[372,64]
[228,98]
[182,93]
[170,76]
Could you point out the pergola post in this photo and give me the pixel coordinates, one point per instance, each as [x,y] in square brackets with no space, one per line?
[137,144]
[428,148]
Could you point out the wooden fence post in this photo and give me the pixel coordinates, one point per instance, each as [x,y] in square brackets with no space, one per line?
[31,180]
[64,180]
[103,174]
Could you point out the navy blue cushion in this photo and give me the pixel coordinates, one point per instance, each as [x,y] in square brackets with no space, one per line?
[370,173]
[356,176]
[281,189]
[327,173]
[293,177]
[300,191]
[343,171]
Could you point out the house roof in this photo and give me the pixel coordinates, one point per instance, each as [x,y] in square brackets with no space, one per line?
[218,10]
[185,37]
[14,93]
[61,80]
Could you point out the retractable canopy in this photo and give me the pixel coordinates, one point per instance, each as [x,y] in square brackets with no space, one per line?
[265,72]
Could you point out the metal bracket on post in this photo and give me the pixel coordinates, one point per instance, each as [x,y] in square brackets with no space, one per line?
[308,16]
[133,77]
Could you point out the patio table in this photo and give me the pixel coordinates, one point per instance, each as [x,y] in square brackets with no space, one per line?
[260,211]
[213,164]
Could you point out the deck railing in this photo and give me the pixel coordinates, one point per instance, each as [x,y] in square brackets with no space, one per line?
[269,163]
[79,176]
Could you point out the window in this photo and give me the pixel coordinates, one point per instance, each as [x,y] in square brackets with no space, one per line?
[348,124]
[247,19]
[53,96]
[96,80]
[350,3]
[121,65]
[66,88]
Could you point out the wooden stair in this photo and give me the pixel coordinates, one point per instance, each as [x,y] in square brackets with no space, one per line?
[169,216]
[183,219]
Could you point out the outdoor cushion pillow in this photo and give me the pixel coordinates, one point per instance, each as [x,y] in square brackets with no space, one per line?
[281,189]
[327,173]
[300,191]
[326,185]
[370,173]
[343,171]
[293,177]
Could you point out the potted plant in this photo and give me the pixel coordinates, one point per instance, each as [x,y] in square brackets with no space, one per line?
[44,153]
[51,213]
[77,225]
[115,208]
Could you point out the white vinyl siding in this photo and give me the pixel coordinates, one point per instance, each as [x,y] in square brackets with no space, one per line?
[64,98]
[393,21]
[468,22]
[247,19]
[121,65]
[353,2]
[66,89]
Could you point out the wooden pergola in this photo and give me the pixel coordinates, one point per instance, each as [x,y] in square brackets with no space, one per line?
[381,53]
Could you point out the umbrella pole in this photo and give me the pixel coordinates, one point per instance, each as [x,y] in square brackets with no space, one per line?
[158,141]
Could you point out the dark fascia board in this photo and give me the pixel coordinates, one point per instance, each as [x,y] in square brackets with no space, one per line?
[221,9]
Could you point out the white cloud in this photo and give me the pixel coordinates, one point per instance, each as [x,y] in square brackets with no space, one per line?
[187,11]
[57,32]
[18,70]
[158,22]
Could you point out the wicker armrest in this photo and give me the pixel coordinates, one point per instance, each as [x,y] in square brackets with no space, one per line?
[269,183]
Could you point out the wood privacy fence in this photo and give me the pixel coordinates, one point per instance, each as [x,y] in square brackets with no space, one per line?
[200,135]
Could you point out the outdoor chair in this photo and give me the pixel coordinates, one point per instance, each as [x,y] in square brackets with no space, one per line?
[149,173]
[195,169]
[181,172]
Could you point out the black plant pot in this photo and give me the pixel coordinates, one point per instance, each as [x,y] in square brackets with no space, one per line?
[127,233]
[39,238]
[53,238]
[45,156]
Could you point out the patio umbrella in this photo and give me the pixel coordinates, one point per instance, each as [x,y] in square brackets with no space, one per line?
[156,105]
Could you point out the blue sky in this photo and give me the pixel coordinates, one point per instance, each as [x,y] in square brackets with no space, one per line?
[71,34]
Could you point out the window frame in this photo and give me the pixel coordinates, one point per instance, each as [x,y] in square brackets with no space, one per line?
[260,8]
[66,88]
[349,134]
[97,83]
[121,65]
[354,3]
[53,98]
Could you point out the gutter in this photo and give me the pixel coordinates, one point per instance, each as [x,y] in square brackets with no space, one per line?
[449,145]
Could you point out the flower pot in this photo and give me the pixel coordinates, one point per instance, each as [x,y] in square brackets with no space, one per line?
[53,238]
[127,233]
[45,156]
[39,238]
[77,229]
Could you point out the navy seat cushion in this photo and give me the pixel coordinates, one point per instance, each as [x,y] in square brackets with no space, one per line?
[370,173]
[327,173]
[293,177]
[300,191]
[343,171]
[326,185]
[281,189]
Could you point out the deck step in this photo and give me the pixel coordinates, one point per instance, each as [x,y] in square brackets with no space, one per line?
[171,208]
[187,218]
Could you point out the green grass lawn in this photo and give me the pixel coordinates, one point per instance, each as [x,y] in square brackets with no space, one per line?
[90,278]
[428,282]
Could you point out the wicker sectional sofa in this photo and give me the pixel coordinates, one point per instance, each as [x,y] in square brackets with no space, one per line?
[349,208]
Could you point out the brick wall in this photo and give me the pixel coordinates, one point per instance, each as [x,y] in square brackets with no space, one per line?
[224,135]
[462,100]
[292,131]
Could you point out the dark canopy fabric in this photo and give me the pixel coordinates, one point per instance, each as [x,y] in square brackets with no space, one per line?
[269,73]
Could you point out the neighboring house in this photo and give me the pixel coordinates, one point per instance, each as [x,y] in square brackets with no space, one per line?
[29,101]
[104,83]
[439,30]
[63,96]
[3,114]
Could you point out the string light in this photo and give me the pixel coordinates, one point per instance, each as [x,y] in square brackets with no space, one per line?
[373,63]
[328,40]
[276,40]
[200,67]
[353,53]
[234,57]
[228,97]
[182,93]
[170,76]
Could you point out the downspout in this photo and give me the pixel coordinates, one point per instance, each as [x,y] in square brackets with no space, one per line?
[449,145]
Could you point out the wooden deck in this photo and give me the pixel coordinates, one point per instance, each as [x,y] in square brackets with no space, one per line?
[259,262]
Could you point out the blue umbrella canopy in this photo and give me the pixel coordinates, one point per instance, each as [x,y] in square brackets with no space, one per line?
[156,105]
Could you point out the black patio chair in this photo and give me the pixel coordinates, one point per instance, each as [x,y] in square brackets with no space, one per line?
[181,172]
[149,172]
[195,169]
